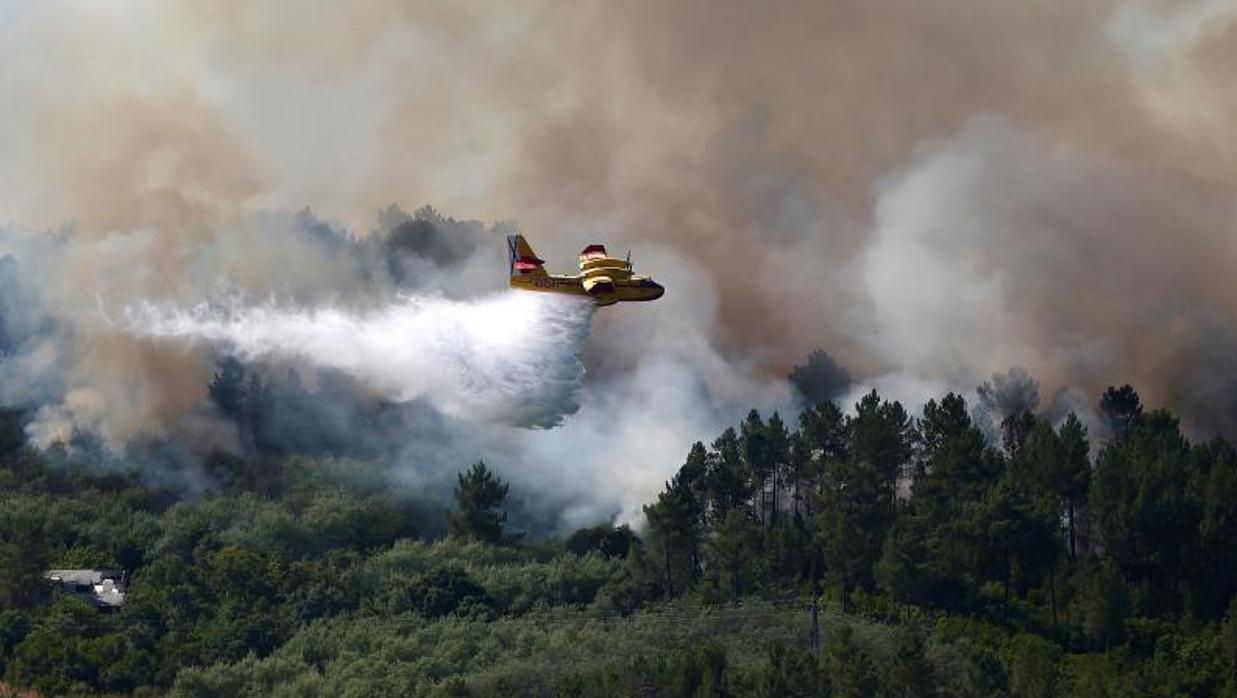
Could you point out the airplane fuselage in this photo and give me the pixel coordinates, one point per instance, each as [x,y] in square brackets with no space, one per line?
[635,288]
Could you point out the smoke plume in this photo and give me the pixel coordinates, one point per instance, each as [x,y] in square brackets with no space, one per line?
[928,192]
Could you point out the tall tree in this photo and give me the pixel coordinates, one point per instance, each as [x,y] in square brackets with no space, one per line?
[1214,487]
[1020,538]
[479,497]
[1015,429]
[883,435]
[955,473]
[1034,467]
[1105,602]
[1146,518]
[674,532]
[779,459]
[797,471]
[1074,474]
[855,511]
[227,390]
[692,488]
[726,477]
[825,429]
[758,457]
[257,407]
[956,466]
[826,438]
[733,551]
[1056,465]
[901,570]
[1121,410]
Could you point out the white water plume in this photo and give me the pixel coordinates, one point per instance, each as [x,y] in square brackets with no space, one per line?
[511,357]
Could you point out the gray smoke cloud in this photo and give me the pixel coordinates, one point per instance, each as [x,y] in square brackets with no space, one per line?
[930,192]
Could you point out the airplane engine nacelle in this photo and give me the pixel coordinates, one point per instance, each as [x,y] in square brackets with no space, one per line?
[598,285]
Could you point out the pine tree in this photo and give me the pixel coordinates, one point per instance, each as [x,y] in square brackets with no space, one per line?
[779,459]
[1074,476]
[757,457]
[1121,410]
[855,511]
[479,497]
[1142,506]
[672,532]
[227,390]
[797,472]
[733,550]
[825,439]
[691,489]
[726,477]
[882,435]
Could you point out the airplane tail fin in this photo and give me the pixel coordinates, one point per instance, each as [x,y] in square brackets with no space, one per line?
[521,260]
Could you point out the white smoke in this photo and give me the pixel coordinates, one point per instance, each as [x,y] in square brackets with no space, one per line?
[510,357]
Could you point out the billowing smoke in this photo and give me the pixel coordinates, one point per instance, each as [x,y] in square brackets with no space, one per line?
[931,193]
[509,358]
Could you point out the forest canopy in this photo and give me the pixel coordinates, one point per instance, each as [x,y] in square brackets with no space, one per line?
[846,552]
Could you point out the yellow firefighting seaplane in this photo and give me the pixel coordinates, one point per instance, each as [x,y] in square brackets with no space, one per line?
[606,280]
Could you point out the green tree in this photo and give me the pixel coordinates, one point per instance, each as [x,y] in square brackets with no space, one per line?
[1228,646]
[957,468]
[1034,667]
[953,479]
[733,551]
[1146,517]
[798,470]
[825,429]
[727,480]
[882,435]
[692,481]
[1105,603]
[911,675]
[851,671]
[758,459]
[793,674]
[779,444]
[677,518]
[479,497]
[672,534]
[826,438]
[23,555]
[1214,488]
[1073,476]
[901,570]
[1021,540]
[227,390]
[1015,429]
[855,511]
[1121,410]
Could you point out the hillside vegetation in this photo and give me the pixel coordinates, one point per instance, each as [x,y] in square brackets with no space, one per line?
[938,564]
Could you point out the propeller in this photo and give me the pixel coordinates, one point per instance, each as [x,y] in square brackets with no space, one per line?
[628,260]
